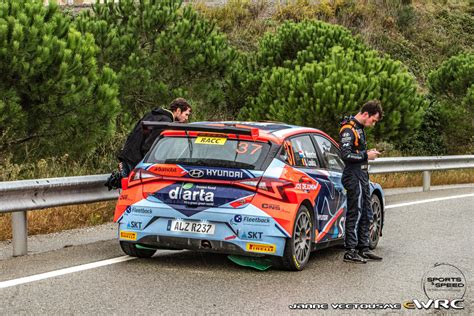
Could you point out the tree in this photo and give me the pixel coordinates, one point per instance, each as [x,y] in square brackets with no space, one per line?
[160,50]
[53,96]
[312,73]
[452,91]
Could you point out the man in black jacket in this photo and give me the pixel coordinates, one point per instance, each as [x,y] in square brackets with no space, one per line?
[139,141]
[355,179]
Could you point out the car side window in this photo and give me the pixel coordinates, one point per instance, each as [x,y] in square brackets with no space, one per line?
[300,152]
[330,152]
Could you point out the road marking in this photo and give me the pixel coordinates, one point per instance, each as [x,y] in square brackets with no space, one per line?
[52,274]
[429,200]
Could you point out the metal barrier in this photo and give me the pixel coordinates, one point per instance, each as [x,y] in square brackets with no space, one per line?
[27,195]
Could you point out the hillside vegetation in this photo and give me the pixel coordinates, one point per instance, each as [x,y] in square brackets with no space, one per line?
[72,85]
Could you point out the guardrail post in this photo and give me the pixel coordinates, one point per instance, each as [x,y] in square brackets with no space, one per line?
[426,181]
[20,233]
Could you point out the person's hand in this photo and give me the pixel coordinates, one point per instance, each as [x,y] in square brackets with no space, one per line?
[372,154]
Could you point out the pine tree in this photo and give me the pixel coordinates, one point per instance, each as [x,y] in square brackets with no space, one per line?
[313,73]
[160,50]
[53,96]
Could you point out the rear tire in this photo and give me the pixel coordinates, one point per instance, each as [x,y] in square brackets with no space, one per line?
[131,249]
[298,247]
[376,226]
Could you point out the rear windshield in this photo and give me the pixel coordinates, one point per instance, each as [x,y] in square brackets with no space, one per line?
[209,151]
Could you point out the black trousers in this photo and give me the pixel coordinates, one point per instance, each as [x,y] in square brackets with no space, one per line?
[359,211]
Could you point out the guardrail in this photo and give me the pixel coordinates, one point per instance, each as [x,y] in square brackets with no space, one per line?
[28,195]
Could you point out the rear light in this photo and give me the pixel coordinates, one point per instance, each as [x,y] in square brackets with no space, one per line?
[139,176]
[242,201]
[275,188]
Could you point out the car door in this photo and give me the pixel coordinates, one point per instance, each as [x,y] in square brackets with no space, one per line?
[307,159]
[332,202]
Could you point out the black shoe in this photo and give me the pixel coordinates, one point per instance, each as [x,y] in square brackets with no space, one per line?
[353,256]
[368,255]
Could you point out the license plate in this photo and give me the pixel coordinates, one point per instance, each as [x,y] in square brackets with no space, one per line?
[191,227]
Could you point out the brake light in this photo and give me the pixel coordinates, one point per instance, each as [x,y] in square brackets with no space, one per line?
[242,202]
[139,176]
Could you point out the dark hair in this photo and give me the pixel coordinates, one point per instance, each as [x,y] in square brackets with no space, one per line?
[179,103]
[372,107]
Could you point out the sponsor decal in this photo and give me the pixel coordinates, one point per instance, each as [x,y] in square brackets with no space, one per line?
[128,235]
[167,170]
[311,163]
[274,207]
[252,235]
[306,186]
[210,140]
[261,248]
[224,173]
[196,173]
[250,220]
[322,217]
[444,285]
[193,195]
[139,210]
[123,197]
[134,225]
[310,154]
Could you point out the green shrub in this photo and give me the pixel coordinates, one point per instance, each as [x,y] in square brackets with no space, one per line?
[54,98]
[312,73]
[452,87]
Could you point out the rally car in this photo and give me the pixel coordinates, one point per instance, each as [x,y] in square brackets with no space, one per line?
[245,188]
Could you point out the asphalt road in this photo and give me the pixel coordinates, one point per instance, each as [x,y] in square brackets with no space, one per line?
[415,238]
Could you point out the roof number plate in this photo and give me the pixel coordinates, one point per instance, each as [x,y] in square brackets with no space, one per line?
[210,140]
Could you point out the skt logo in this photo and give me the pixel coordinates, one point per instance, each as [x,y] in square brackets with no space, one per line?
[134,225]
[252,235]
[436,304]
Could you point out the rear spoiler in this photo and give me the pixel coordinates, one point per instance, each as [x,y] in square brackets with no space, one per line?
[226,129]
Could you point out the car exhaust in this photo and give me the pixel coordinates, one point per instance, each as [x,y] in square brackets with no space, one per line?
[206,244]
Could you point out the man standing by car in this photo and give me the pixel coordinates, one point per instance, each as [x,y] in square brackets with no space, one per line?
[139,141]
[355,179]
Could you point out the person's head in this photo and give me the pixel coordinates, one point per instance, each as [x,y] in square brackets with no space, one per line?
[181,110]
[370,113]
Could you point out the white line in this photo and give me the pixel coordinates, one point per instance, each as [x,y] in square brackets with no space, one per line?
[430,200]
[52,274]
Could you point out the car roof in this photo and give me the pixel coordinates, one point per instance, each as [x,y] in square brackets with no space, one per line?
[276,131]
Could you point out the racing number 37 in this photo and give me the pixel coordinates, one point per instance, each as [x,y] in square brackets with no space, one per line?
[243,148]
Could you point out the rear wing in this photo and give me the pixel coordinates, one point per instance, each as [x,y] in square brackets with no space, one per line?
[226,129]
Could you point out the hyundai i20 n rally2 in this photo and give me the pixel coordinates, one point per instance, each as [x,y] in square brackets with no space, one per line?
[246,188]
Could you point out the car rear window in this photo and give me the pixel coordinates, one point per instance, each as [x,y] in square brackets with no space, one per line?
[209,151]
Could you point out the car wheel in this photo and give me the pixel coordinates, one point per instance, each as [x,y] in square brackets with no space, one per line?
[376,225]
[131,249]
[298,247]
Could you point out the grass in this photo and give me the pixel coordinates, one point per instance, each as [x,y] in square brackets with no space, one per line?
[61,218]
[86,215]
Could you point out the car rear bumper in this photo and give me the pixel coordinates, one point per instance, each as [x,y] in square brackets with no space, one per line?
[247,231]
